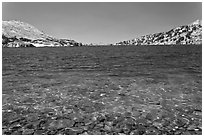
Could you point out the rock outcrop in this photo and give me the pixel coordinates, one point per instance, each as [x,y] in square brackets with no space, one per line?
[182,35]
[20,34]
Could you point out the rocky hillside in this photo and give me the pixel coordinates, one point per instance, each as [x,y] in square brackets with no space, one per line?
[21,34]
[186,34]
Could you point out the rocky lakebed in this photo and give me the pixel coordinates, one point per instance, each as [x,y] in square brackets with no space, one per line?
[102,105]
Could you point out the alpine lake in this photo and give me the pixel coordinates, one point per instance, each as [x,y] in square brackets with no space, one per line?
[102,90]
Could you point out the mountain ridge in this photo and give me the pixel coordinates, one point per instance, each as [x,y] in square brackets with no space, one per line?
[181,35]
[16,33]
[20,34]
[12,28]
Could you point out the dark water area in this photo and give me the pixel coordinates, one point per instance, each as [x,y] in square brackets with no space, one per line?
[121,61]
[44,73]
[157,62]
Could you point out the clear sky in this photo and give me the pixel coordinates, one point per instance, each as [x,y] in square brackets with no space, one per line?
[102,22]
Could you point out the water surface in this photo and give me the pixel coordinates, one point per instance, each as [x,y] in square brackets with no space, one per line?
[145,81]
